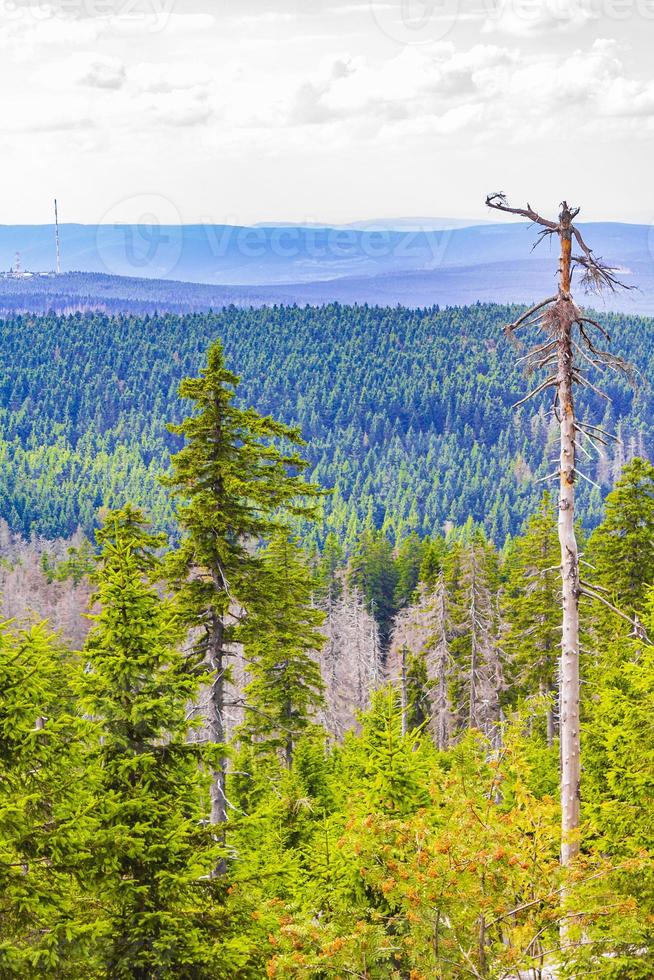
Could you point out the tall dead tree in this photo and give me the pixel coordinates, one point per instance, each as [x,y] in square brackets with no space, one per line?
[567,349]
[438,666]
[423,630]
[350,660]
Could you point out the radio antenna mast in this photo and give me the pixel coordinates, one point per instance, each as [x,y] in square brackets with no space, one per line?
[57,238]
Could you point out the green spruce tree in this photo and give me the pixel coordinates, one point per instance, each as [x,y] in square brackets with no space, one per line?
[410,555]
[235,473]
[374,571]
[618,743]
[532,609]
[150,853]
[43,798]
[279,638]
[330,584]
[622,547]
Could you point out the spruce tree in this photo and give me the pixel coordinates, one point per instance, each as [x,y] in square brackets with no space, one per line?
[532,608]
[619,752]
[279,637]
[432,561]
[373,570]
[330,585]
[43,798]
[390,763]
[151,855]
[235,473]
[410,555]
[471,580]
[623,545]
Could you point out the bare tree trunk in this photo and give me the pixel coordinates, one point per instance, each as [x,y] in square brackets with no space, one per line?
[472,711]
[550,724]
[422,629]
[217,722]
[349,661]
[556,317]
[442,712]
[569,676]
[404,693]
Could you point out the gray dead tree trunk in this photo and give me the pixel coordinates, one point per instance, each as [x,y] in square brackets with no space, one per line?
[569,675]
[217,723]
[441,659]
[404,691]
[567,352]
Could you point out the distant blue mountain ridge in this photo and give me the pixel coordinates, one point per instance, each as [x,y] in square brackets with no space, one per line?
[417,262]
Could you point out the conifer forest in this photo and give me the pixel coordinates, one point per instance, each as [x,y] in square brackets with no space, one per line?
[326,490]
[308,668]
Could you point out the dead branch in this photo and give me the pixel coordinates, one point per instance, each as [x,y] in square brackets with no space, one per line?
[583,380]
[550,476]
[593,440]
[597,428]
[591,592]
[499,202]
[597,275]
[586,478]
[598,326]
[535,351]
[550,382]
[594,362]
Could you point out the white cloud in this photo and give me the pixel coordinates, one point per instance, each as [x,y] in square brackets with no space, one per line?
[100,71]
[168,77]
[263,101]
[435,81]
[267,17]
[185,107]
[34,28]
[35,119]
[487,90]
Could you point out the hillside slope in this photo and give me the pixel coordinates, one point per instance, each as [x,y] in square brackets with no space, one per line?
[407,413]
[200,267]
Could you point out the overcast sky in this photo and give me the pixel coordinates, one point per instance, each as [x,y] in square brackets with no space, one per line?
[334,111]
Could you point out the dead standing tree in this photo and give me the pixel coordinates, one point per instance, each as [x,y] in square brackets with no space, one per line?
[567,350]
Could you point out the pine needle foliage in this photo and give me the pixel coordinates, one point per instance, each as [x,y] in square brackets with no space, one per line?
[43,931]
[152,854]
[281,640]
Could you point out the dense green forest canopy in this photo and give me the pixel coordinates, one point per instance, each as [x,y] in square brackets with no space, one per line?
[235,773]
[407,413]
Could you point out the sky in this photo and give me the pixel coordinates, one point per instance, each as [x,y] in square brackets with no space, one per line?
[203,111]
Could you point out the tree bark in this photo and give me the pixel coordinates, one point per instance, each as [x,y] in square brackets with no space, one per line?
[569,673]
[472,682]
[288,742]
[442,739]
[217,721]
[550,727]
[404,693]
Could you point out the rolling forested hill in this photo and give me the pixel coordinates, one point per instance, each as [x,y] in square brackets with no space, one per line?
[407,413]
[147,268]
[73,292]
